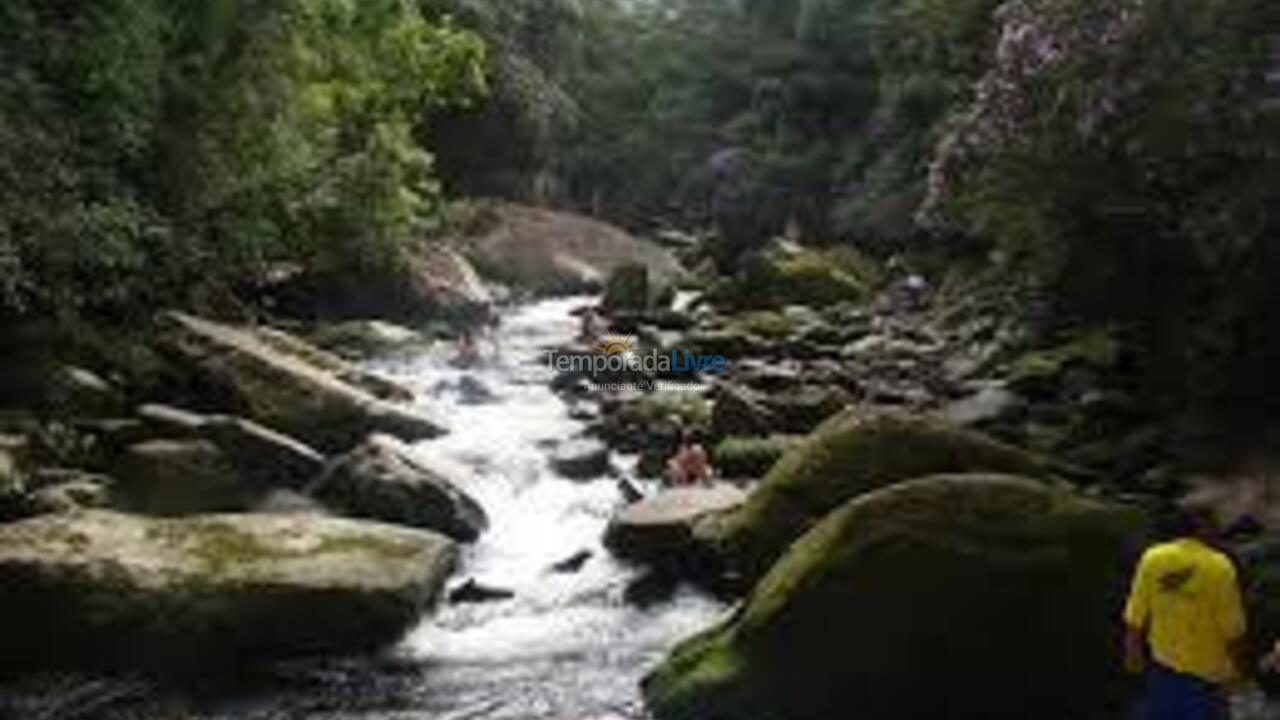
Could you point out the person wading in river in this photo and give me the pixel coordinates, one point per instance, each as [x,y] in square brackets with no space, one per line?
[690,464]
[1185,623]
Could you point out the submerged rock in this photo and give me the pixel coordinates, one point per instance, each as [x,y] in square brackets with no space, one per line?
[381,480]
[285,385]
[473,591]
[100,589]
[907,603]
[853,453]
[581,459]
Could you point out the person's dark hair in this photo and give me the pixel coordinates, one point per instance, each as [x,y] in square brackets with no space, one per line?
[691,436]
[1181,520]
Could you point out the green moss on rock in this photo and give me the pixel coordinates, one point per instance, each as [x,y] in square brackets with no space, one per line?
[850,454]
[749,457]
[962,597]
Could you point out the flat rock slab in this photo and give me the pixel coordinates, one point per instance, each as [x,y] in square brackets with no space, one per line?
[285,384]
[108,590]
[655,529]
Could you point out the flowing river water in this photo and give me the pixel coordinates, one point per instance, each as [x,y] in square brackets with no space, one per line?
[567,646]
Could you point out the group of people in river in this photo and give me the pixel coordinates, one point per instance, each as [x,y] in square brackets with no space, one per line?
[1185,623]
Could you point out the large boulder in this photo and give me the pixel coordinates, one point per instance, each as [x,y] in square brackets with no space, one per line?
[276,382]
[99,589]
[659,529]
[548,252]
[382,480]
[853,453]
[749,457]
[964,597]
[789,274]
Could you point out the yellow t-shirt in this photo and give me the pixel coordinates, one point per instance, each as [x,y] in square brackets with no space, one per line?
[1186,595]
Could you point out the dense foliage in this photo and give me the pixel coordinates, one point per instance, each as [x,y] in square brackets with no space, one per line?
[151,149]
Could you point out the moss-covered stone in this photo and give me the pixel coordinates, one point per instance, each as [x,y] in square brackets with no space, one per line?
[961,597]
[851,454]
[749,457]
[792,275]
[100,589]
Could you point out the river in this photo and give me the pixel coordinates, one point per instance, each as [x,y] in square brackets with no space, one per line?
[567,646]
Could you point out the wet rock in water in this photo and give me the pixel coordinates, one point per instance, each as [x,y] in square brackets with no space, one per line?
[631,493]
[473,591]
[284,384]
[573,563]
[474,392]
[178,477]
[915,587]
[651,588]
[581,459]
[740,411]
[853,453]
[382,480]
[99,589]
[659,529]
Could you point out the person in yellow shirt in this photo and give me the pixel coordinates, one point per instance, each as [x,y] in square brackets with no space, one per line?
[1185,624]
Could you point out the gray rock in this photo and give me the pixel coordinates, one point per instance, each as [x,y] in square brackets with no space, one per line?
[77,392]
[581,458]
[992,402]
[286,384]
[179,477]
[99,589]
[261,454]
[741,411]
[381,480]
[660,529]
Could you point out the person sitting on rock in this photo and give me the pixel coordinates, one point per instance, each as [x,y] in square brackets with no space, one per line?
[689,465]
[1185,622]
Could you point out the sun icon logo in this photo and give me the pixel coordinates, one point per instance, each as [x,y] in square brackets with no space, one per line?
[616,345]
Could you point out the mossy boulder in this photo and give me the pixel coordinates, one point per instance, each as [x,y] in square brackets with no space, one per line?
[749,457]
[789,274]
[102,589]
[286,384]
[853,453]
[964,597]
